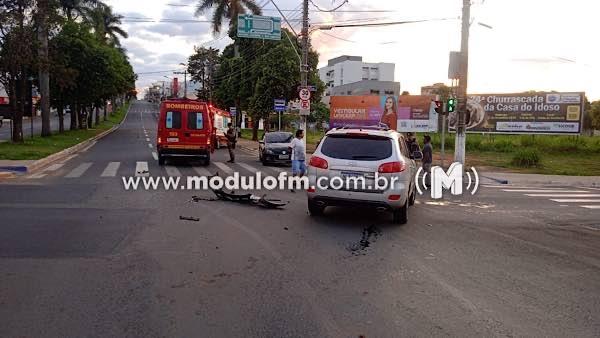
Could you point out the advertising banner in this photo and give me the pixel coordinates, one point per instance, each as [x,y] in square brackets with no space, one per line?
[403,113]
[523,113]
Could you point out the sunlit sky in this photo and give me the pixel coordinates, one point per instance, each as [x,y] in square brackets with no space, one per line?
[532,45]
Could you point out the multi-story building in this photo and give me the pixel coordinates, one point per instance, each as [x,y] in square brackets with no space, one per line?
[349,75]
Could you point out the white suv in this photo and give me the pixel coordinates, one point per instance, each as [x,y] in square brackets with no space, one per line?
[363,155]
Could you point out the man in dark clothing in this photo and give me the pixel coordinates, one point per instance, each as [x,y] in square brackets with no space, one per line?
[427,158]
[231,140]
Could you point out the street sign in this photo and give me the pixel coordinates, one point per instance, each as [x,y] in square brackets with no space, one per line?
[304,94]
[259,27]
[233,111]
[279,105]
[305,107]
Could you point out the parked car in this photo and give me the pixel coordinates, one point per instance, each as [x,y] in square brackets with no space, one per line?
[363,153]
[274,147]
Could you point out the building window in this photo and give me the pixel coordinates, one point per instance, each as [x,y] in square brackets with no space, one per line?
[374,73]
[374,92]
[389,92]
[349,92]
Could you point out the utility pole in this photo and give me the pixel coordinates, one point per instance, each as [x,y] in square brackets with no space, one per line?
[304,64]
[461,137]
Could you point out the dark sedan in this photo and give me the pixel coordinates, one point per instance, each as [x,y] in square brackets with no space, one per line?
[274,147]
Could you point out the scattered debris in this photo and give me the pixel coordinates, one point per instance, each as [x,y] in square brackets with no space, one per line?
[369,235]
[143,172]
[185,218]
[285,228]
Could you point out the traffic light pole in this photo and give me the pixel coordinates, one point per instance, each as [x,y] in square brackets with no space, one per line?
[459,146]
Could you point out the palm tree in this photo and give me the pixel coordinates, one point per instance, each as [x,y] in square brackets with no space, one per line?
[107,24]
[226,9]
[77,7]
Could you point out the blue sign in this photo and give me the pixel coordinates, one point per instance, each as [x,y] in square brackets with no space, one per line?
[279,105]
[232,111]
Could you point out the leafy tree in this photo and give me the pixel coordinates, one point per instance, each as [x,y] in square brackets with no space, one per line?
[106,24]
[17,59]
[73,9]
[594,113]
[226,9]
[202,66]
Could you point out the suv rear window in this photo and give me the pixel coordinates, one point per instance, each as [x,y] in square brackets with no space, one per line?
[173,120]
[360,148]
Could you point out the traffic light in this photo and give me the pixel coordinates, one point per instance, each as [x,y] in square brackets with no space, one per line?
[451,106]
[439,107]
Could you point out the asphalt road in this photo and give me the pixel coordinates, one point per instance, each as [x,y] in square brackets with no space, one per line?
[82,257]
[37,126]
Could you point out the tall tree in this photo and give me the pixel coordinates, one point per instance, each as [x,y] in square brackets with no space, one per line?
[76,8]
[106,24]
[202,66]
[226,9]
[43,12]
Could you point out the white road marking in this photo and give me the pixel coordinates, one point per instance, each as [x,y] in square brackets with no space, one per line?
[147,139]
[575,200]
[141,169]
[36,176]
[545,191]
[590,206]
[150,145]
[155,155]
[111,169]
[224,167]
[79,170]
[202,171]
[277,169]
[172,171]
[561,195]
[55,167]
[248,167]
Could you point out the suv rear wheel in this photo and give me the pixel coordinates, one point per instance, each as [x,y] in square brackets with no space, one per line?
[400,216]
[314,209]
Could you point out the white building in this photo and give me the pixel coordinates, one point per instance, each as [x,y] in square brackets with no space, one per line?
[347,69]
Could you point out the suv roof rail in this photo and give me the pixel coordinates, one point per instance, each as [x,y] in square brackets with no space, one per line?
[380,126]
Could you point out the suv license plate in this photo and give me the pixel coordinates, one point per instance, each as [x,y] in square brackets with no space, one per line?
[284,157]
[173,139]
[349,174]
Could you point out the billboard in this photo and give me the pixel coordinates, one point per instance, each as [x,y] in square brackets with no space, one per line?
[403,113]
[523,113]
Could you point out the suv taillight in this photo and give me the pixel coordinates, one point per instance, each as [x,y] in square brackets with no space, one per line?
[318,162]
[391,167]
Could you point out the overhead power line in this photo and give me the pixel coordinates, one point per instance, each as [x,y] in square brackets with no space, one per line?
[293,10]
[328,10]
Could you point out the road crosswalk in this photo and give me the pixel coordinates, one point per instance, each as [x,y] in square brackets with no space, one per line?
[581,197]
[145,169]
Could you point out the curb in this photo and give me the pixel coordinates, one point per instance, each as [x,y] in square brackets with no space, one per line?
[6,174]
[43,162]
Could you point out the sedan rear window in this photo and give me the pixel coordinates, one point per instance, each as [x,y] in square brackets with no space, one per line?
[360,148]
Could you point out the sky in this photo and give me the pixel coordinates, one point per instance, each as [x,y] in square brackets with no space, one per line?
[531,45]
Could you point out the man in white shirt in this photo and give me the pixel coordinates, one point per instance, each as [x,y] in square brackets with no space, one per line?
[298,155]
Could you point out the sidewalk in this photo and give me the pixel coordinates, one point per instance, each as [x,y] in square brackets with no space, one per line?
[537,179]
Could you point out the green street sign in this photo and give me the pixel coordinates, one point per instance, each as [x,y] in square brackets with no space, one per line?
[259,27]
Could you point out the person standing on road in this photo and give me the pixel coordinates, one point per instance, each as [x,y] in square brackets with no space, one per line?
[427,158]
[231,140]
[298,155]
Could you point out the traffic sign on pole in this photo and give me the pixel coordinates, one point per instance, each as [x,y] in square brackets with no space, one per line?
[305,94]
[304,107]
[259,27]
[233,111]
[279,105]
